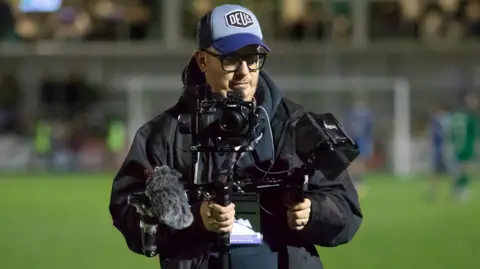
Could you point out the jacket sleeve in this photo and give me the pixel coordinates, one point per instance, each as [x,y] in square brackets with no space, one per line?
[335,211]
[131,179]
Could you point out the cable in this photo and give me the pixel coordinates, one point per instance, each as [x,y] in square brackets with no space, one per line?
[271,132]
[267,172]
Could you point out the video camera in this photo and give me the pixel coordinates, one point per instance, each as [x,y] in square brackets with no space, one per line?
[220,124]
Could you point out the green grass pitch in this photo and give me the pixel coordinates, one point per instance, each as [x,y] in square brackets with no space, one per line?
[60,222]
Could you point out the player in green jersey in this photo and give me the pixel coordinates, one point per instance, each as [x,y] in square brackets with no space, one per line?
[463,138]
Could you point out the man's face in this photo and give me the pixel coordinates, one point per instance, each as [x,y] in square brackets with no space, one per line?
[231,72]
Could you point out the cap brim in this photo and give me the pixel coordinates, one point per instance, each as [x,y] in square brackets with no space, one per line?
[235,42]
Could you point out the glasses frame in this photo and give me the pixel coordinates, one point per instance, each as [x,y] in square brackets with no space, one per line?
[239,63]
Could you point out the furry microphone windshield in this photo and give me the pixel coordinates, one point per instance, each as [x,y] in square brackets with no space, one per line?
[168,198]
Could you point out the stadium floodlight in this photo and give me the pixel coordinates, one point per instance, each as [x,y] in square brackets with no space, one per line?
[142,106]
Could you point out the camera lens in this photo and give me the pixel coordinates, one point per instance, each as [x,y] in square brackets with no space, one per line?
[231,122]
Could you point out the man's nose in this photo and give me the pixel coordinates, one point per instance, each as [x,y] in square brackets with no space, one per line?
[243,69]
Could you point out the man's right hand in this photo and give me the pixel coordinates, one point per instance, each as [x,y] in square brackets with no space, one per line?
[216,218]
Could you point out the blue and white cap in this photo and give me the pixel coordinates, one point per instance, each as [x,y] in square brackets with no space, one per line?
[228,28]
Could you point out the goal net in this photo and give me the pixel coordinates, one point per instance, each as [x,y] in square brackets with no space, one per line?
[388,98]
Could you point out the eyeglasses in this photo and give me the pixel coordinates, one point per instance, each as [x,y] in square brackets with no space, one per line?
[232,62]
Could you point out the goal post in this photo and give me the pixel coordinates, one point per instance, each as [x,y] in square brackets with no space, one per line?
[140,105]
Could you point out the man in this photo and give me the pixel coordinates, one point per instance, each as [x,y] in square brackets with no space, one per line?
[463,135]
[230,54]
[439,128]
[360,127]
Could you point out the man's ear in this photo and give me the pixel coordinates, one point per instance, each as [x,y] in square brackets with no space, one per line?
[201,61]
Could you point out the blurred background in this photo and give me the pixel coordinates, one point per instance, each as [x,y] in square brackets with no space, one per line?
[78,77]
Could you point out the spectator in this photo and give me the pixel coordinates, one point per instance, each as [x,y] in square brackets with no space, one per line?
[27,28]
[298,29]
[70,22]
[341,23]
[433,24]
[66,104]
[193,14]
[7,22]
[106,15]
[139,18]
[385,19]
[411,10]
[10,99]
[450,7]
[454,29]
[68,97]
[292,18]
[309,23]
[114,21]
[472,17]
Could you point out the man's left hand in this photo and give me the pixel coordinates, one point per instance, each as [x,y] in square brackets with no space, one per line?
[298,215]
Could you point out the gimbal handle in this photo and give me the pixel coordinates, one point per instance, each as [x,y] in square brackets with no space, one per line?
[148,223]
[223,183]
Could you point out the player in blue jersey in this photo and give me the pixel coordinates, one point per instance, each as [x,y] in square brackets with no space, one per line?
[438,132]
[359,123]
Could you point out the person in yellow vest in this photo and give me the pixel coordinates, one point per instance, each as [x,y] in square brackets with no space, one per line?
[116,142]
[43,142]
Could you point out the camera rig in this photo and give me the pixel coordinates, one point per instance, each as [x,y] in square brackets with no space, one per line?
[227,126]
[330,151]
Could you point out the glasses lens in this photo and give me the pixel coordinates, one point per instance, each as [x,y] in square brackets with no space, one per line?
[231,63]
[255,62]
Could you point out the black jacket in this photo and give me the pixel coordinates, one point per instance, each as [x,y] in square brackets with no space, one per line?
[335,217]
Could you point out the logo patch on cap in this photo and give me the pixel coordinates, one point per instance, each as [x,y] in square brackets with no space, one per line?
[238,18]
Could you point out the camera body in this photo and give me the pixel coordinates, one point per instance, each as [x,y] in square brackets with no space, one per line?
[220,123]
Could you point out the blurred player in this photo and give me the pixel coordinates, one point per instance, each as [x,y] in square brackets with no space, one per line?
[359,123]
[439,128]
[463,136]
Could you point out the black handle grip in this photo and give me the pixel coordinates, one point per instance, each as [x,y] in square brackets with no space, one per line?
[294,194]
[149,237]
[223,188]
[222,197]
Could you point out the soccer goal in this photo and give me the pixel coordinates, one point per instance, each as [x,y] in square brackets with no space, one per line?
[389,98]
